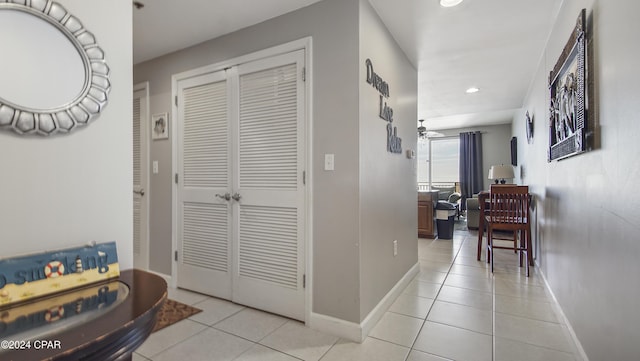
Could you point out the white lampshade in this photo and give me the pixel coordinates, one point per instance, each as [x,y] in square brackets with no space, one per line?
[501,172]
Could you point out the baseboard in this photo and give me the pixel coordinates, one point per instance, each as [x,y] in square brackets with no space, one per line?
[359,332]
[560,312]
[376,314]
[335,326]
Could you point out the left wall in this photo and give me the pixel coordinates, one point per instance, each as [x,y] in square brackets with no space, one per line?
[66,190]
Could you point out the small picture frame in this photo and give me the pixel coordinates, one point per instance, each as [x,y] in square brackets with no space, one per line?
[160,126]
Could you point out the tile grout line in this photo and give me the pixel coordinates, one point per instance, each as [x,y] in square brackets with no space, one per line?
[258,342]
[434,299]
[493,315]
[265,346]
[329,349]
[172,346]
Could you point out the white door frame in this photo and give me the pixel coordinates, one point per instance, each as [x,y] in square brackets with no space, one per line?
[306,45]
[144,169]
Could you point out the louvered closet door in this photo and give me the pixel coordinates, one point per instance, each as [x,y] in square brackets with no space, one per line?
[269,247]
[204,231]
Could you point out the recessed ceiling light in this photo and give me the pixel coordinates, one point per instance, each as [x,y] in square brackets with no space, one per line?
[449,3]
[472,90]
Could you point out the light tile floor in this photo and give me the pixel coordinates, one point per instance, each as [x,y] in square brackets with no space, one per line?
[454,309]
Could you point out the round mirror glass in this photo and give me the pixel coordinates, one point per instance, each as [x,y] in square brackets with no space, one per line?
[39,68]
[53,74]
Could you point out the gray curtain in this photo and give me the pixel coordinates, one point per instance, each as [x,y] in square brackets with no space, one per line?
[471,177]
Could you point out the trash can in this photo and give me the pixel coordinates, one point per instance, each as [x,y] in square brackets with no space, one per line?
[445,219]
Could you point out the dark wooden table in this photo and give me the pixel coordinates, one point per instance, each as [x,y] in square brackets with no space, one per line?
[111,336]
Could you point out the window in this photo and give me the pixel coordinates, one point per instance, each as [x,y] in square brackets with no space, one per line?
[438,162]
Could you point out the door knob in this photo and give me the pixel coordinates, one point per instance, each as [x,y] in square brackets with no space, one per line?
[226,196]
[236,197]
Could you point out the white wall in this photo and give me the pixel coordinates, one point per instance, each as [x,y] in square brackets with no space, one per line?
[587,206]
[67,190]
[496,146]
[388,197]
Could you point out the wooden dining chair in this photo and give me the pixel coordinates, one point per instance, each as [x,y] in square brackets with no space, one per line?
[509,211]
[483,198]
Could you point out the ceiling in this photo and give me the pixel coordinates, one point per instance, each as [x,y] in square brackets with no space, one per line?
[494,45]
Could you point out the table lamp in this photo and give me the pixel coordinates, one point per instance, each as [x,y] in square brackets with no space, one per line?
[501,172]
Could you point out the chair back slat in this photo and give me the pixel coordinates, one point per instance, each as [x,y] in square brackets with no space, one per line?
[509,204]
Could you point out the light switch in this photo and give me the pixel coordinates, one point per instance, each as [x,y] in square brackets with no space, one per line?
[155,167]
[328,162]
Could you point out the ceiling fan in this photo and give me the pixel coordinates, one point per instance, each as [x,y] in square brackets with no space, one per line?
[423,133]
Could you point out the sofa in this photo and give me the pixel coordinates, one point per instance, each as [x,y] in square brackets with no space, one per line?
[473,212]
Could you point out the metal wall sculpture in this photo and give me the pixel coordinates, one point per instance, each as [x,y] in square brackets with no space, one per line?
[93,97]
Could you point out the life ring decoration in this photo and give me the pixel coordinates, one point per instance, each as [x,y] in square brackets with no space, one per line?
[53,269]
[54,314]
[93,97]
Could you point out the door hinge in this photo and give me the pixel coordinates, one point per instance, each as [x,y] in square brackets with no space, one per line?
[304,74]
[176,100]
[176,178]
[175,256]
[304,281]
[304,177]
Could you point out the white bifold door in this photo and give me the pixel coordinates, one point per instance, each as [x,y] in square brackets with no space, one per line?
[241,199]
